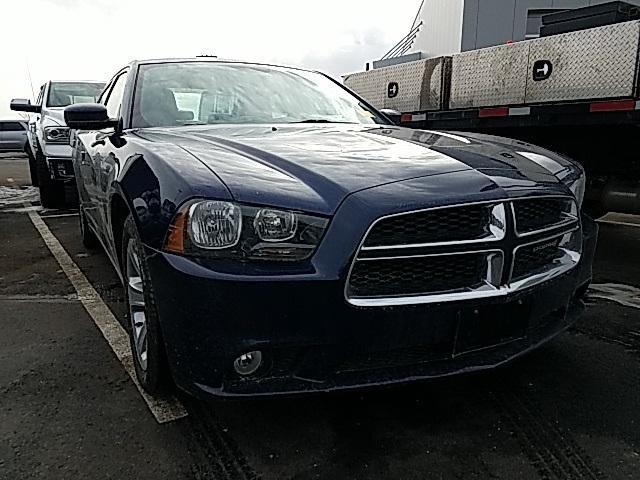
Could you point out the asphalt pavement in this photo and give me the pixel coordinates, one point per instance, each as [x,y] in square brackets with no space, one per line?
[68,408]
[14,170]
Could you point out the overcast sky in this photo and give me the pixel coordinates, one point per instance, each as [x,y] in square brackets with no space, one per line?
[91,39]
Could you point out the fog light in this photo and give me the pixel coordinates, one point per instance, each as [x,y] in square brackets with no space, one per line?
[248,363]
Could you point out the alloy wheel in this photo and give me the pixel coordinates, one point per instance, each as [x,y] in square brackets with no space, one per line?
[137,312]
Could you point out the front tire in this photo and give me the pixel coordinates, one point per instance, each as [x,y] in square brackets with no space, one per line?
[33,171]
[51,193]
[147,345]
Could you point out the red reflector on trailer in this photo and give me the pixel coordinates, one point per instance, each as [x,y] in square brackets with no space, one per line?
[614,106]
[494,112]
[407,117]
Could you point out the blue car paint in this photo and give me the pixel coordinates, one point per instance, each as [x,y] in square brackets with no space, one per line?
[352,174]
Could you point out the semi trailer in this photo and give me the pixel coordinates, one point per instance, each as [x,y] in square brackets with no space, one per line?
[577,93]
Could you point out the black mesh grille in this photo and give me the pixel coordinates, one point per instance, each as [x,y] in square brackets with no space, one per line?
[441,225]
[533,258]
[540,213]
[413,276]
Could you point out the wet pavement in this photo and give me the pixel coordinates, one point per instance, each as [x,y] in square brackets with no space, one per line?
[68,409]
[14,171]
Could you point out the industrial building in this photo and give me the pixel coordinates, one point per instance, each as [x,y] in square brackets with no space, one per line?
[445,27]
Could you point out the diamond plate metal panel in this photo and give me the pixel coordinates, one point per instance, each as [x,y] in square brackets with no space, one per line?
[369,85]
[588,64]
[420,85]
[490,76]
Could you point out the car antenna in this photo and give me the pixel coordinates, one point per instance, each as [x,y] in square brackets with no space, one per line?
[33,94]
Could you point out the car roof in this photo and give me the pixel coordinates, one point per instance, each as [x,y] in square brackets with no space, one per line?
[77,81]
[211,59]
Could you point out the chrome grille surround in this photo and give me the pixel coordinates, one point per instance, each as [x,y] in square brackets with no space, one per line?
[561,241]
[565,215]
[490,274]
[494,230]
[569,252]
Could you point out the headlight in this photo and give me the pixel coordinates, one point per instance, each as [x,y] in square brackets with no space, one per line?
[219,229]
[214,225]
[275,225]
[56,134]
[577,183]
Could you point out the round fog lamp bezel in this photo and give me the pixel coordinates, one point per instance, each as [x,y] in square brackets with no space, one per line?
[252,368]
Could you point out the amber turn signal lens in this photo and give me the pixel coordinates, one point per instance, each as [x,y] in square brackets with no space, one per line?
[177,230]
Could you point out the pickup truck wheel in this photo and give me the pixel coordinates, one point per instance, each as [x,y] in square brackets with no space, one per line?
[144,327]
[32,165]
[51,193]
[89,238]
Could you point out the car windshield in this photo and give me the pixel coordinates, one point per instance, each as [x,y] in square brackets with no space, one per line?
[64,94]
[188,93]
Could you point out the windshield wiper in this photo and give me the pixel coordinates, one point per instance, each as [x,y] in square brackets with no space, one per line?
[193,122]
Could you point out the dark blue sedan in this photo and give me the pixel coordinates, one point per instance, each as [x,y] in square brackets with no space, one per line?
[277,234]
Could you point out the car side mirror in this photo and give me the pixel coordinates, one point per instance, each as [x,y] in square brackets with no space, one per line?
[24,105]
[88,116]
[392,115]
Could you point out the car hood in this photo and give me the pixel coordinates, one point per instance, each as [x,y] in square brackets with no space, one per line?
[315,167]
[53,117]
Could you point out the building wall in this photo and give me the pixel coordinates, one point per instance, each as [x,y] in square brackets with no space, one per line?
[493,22]
[441,32]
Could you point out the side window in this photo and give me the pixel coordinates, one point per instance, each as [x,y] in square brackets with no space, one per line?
[105,93]
[115,96]
[13,127]
[40,95]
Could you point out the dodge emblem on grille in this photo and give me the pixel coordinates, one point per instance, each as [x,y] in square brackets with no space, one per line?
[544,246]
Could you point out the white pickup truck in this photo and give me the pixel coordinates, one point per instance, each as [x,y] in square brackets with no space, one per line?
[50,152]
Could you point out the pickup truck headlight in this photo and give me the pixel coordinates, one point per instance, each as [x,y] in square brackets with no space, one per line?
[220,229]
[56,134]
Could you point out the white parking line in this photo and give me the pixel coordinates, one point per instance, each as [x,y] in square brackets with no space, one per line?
[60,215]
[39,298]
[164,409]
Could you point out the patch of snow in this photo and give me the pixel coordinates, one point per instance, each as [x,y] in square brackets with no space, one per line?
[10,196]
[625,295]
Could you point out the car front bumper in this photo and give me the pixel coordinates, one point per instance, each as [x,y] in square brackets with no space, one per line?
[313,340]
[59,161]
